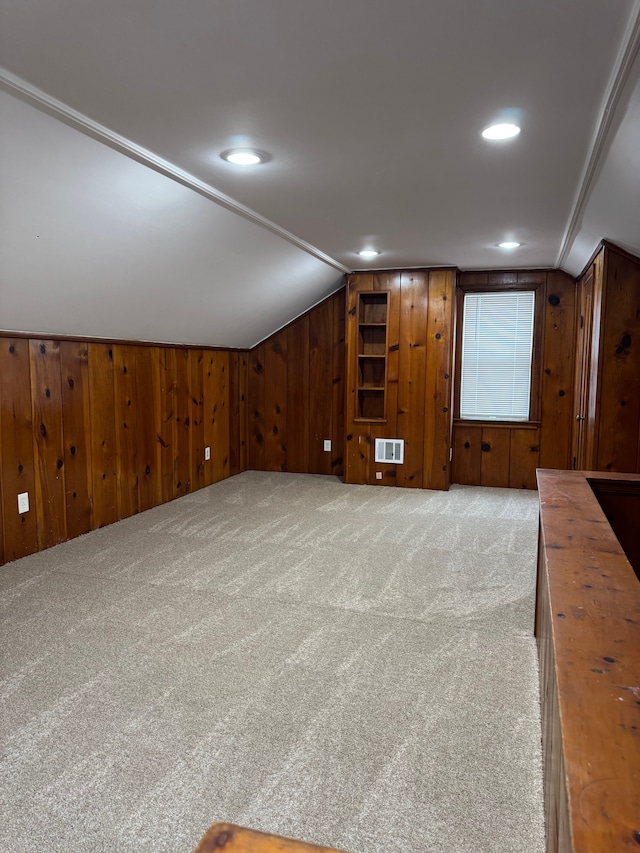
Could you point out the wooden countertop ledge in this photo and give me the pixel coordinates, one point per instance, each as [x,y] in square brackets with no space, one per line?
[588,632]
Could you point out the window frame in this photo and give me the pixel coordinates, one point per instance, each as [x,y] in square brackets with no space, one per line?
[537,286]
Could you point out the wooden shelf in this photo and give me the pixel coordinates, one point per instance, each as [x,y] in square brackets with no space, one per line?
[371,356]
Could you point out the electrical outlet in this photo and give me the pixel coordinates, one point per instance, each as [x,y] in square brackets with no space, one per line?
[378,475]
[23,502]
[327,444]
[207,454]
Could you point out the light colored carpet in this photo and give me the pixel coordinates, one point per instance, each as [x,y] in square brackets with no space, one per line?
[349,665]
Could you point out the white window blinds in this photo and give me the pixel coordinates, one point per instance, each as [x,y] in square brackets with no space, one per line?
[497,344]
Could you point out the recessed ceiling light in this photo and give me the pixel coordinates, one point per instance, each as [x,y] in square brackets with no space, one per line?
[242,157]
[509,244]
[368,253]
[501,131]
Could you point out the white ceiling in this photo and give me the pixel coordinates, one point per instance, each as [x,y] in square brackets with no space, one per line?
[371,112]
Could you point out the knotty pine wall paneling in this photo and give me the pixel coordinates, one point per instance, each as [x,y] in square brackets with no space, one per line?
[256,455]
[102,438]
[298,395]
[392,283]
[165,420]
[412,365]
[556,413]
[126,405]
[97,431]
[507,455]
[321,383]
[295,388]
[617,395]
[275,407]
[420,336]
[196,427]
[148,427]
[48,446]
[182,423]
[440,349]
[238,416]
[16,451]
[76,417]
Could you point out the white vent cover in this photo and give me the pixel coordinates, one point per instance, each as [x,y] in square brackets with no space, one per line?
[390,450]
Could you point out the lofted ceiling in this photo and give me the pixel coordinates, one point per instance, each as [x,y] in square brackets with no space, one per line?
[120,219]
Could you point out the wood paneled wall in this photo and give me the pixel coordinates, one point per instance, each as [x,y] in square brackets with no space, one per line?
[295,388]
[95,432]
[420,336]
[615,417]
[490,455]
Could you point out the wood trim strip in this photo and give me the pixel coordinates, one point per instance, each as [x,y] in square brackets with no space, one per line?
[86,339]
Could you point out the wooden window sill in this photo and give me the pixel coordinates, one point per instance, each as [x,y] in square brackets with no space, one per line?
[497,424]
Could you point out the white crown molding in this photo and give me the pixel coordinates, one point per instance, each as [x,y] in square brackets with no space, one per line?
[620,75]
[41,100]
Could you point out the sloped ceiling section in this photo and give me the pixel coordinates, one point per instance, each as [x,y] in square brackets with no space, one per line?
[97,244]
[371,111]
[612,210]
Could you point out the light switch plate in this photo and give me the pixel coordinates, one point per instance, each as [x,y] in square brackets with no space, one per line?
[23,502]
[207,454]
[327,444]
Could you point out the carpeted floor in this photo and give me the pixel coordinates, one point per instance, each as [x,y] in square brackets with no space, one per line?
[349,665]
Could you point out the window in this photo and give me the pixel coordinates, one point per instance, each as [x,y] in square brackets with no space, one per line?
[497,347]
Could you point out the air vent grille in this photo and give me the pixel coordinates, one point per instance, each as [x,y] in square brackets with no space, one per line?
[389,450]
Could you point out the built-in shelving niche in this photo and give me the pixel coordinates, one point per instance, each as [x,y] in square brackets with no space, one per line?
[372,356]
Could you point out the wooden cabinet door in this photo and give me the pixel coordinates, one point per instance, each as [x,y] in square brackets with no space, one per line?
[582,388]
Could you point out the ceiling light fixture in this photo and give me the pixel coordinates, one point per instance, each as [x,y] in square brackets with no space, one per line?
[501,131]
[509,244]
[242,157]
[368,253]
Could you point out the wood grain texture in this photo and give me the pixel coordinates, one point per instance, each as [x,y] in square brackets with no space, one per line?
[237,412]
[48,446]
[275,403]
[148,426]
[552,384]
[76,416]
[196,407]
[320,386]
[524,456]
[338,385]
[298,395]
[390,282]
[587,618]
[467,455]
[126,411]
[256,458]
[295,399]
[16,451]
[619,366]
[165,360]
[581,383]
[182,424]
[237,839]
[411,387]
[102,439]
[439,380]
[495,457]
[64,406]
[420,339]
[217,416]
[556,393]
